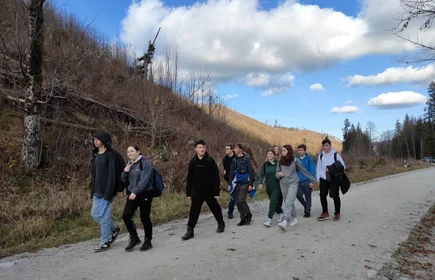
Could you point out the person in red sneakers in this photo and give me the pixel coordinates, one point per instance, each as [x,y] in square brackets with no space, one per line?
[327,157]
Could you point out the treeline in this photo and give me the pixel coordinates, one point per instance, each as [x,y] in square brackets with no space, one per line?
[413,138]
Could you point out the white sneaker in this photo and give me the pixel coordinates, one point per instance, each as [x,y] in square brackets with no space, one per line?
[294,222]
[283,225]
[281,216]
[268,222]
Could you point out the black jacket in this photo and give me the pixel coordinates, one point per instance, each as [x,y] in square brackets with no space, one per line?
[227,166]
[203,175]
[338,177]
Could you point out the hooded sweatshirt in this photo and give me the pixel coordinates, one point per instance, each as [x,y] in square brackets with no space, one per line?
[327,159]
[104,169]
[203,175]
[309,165]
[138,178]
[291,175]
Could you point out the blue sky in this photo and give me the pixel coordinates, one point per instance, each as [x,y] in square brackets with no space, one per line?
[306,64]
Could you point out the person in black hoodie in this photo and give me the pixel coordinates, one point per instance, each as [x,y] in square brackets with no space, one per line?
[228,159]
[203,184]
[103,188]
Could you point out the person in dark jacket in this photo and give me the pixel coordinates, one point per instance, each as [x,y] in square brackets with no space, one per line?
[103,188]
[203,184]
[137,174]
[228,159]
[242,179]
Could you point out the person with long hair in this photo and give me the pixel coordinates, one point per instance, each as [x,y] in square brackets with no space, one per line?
[267,172]
[287,173]
[137,174]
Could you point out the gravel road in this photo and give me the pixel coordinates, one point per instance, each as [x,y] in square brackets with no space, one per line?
[376,217]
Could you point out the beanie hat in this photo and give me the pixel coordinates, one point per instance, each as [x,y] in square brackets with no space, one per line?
[104,137]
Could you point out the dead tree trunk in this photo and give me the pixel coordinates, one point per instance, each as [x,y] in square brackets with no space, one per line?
[32,106]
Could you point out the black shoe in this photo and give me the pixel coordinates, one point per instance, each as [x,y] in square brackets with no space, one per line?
[102,247]
[248,218]
[189,234]
[221,227]
[242,222]
[307,215]
[134,240]
[146,245]
[115,234]
[230,215]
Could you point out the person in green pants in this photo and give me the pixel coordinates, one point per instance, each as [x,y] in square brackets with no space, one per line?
[273,190]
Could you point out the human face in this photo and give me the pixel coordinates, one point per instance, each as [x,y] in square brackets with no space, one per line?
[284,152]
[98,143]
[200,150]
[301,152]
[326,148]
[132,153]
[237,150]
[228,150]
[270,156]
[276,150]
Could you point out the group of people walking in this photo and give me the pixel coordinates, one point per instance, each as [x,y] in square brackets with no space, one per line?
[286,177]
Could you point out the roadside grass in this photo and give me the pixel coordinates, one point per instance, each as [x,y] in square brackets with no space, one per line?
[48,216]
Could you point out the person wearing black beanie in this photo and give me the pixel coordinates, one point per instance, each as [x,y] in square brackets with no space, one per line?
[103,188]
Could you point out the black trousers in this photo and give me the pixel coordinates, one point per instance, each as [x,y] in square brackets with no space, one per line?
[333,190]
[144,205]
[198,199]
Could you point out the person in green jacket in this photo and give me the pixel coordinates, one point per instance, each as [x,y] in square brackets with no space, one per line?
[273,190]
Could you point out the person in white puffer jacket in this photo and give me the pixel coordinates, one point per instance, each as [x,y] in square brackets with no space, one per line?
[327,157]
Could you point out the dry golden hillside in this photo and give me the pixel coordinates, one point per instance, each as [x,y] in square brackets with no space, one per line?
[277,136]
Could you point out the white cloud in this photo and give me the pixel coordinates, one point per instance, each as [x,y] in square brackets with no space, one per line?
[395,75]
[230,96]
[349,102]
[317,87]
[270,84]
[345,109]
[234,38]
[395,100]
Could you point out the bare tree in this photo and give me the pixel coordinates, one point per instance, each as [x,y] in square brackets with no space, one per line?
[32,106]
[417,10]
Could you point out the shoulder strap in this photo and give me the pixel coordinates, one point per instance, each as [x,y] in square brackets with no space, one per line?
[335,156]
[321,156]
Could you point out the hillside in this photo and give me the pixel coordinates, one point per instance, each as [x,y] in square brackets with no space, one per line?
[276,136]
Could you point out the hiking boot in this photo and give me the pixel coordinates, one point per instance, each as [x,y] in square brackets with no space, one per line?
[293,222]
[336,216]
[268,222]
[323,217]
[230,215]
[189,234]
[134,240]
[248,218]
[146,245]
[242,222]
[221,227]
[102,247]
[281,218]
[115,234]
[307,215]
[283,225]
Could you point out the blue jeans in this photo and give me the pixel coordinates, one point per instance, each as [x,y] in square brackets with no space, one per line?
[101,213]
[231,203]
[304,190]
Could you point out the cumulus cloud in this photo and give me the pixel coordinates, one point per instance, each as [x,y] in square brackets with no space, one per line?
[395,100]
[235,38]
[348,102]
[395,75]
[345,109]
[271,85]
[317,87]
[229,96]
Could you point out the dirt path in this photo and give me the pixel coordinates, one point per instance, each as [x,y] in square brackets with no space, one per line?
[376,217]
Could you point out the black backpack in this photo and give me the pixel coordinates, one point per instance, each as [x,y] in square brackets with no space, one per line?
[156,181]
[120,165]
